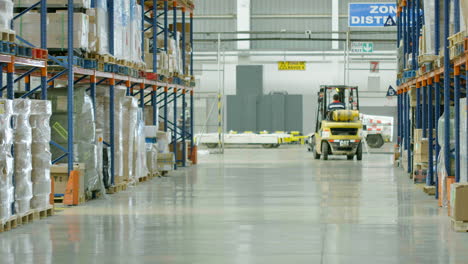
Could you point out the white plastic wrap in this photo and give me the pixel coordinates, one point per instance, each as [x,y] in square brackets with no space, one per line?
[6,160]
[6,15]
[22,154]
[102,122]
[28,28]
[130,116]
[163,140]
[140,148]
[41,112]
[135,27]
[152,158]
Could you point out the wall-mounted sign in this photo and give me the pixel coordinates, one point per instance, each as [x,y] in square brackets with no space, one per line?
[374,66]
[371,14]
[362,47]
[291,65]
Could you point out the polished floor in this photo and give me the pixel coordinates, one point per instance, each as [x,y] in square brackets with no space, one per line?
[252,206]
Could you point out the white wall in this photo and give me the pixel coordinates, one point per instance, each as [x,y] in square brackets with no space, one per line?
[321,69]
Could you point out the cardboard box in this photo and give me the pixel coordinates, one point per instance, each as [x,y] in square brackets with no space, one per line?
[180,154]
[459,201]
[421,147]
[420,158]
[417,135]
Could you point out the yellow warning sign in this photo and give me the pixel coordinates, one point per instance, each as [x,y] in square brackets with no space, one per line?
[291,65]
[60,130]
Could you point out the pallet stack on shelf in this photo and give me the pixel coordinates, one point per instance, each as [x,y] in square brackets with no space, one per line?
[433,64]
[104,50]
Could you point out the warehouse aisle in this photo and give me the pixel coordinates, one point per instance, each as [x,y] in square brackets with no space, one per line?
[252,206]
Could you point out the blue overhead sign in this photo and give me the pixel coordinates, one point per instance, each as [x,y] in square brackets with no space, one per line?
[371,14]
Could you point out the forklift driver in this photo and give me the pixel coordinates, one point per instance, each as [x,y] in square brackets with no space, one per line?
[336,104]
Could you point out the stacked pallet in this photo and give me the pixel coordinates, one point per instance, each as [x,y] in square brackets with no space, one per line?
[420,156]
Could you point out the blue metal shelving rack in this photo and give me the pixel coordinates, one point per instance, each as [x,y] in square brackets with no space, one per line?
[148,86]
[440,82]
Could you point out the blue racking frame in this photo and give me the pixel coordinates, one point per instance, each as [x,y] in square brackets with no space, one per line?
[74,75]
[434,84]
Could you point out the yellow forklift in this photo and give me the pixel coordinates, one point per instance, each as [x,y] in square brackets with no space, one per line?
[338,128]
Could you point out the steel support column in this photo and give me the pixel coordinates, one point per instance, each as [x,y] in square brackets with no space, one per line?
[446,149]
[174,132]
[184,127]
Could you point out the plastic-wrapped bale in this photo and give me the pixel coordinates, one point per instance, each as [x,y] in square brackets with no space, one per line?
[100,159]
[6,15]
[152,158]
[102,122]
[29,23]
[6,160]
[140,148]
[23,160]
[41,111]
[130,116]
[85,149]
[135,31]
[99,28]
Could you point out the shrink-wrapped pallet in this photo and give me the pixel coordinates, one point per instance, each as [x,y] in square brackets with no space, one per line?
[140,148]
[102,122]
[152,158]
[99,28]
[135,30]
[130,116]
[463,141]
[23,159]
[84,145]
[57,30]
[6,15]
[41,111]
[6,160]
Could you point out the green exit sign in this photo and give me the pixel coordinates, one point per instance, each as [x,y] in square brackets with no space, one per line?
[362,47]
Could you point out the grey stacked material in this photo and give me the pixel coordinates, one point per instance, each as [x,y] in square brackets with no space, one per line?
[152,158]
[99,28]
[41,111]
[129,133]
[85,149]
[6,15]
[102,122]
[139,152]
[54,3]
[22,154]
[6,160]
[28,26]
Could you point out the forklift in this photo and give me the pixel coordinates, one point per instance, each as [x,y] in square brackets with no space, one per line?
[338,130]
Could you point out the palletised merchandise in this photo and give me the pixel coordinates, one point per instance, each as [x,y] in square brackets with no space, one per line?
[54,3]
[6,15]
[149,116]
[41,111]
[22,155]
[152,158]
[139,151]
[130,116]
[102,122]
[463,141]
[99,28]
[57,29]
[85,148]
[135,31]
[6,160]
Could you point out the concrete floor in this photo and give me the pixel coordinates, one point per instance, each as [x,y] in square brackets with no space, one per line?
[252,206]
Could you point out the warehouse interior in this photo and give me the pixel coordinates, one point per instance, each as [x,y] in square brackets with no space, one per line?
[233,131]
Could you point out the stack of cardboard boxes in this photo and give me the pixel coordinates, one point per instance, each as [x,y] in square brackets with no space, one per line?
[420,156]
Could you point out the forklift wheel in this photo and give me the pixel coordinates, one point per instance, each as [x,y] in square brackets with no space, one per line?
[350,157]
[359,152]
[325,150]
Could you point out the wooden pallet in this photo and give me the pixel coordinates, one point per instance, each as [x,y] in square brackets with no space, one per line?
[426,58]
[59,200]
[430,190]
[26,218]
[40,214]
[459,226]
[9,224]
[117,188]
[143,179]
